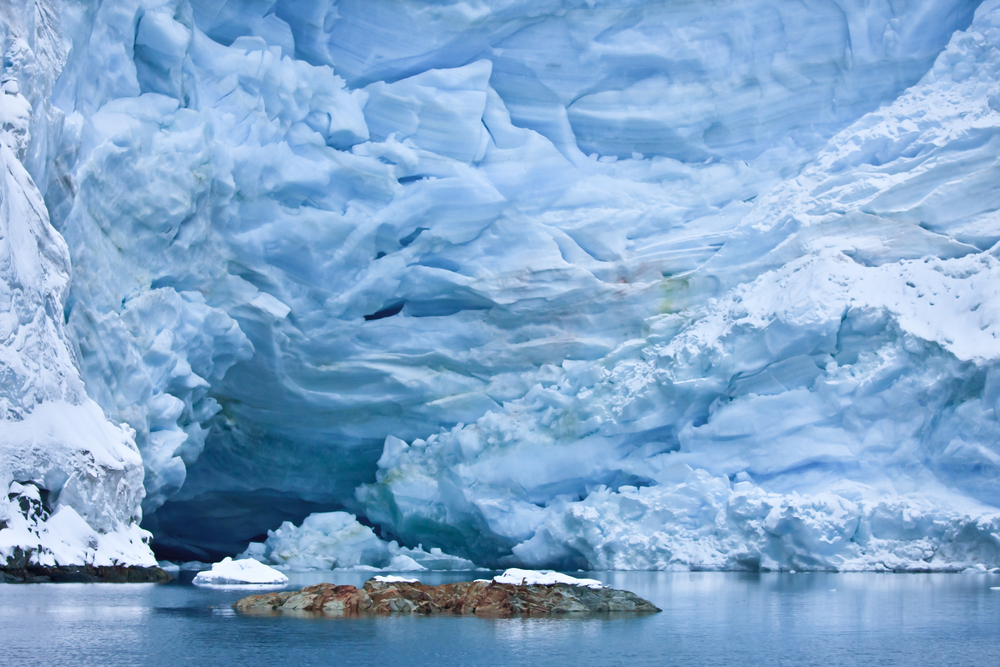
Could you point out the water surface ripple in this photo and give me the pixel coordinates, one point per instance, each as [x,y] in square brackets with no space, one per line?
[708,619]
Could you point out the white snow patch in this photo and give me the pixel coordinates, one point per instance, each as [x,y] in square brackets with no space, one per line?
[542,578]
[393,579]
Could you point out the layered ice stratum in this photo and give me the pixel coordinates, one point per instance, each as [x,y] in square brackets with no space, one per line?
[573,284]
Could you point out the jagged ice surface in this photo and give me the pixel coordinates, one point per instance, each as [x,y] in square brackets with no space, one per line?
[584,284]
[71,480]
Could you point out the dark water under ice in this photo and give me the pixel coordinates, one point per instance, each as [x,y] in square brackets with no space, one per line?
[708,619]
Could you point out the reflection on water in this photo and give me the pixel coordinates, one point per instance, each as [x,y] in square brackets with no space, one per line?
[708,619]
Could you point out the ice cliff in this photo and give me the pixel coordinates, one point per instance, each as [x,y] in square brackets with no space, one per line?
[579,284]
[71,480]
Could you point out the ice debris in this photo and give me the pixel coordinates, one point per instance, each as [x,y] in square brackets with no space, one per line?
[336,540]
[229,572]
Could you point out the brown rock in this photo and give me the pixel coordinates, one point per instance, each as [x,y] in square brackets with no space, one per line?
[482,598]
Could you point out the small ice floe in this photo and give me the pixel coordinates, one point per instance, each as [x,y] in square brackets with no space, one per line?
[393,579]
[231,572]
[979,568]
[543,578]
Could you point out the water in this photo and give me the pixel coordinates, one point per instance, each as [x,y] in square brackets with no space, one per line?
[708,619]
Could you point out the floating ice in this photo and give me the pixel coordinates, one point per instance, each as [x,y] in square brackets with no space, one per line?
[229,572]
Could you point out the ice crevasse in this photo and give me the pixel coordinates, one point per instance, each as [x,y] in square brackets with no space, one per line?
[549,284]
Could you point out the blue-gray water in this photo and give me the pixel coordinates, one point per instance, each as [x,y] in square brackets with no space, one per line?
[708,619]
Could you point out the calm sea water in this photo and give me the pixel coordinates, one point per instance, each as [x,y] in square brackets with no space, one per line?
[708,619]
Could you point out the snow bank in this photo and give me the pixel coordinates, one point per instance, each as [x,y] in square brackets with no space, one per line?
[231,572]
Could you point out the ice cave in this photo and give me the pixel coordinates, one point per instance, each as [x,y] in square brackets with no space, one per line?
[595,284]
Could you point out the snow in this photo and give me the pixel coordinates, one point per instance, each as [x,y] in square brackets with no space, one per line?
[392,579]
[549,285]
[542,578]
[229,572]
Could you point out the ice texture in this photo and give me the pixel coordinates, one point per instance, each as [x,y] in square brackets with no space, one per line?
[229,572]
[558,283]
[827,400]
[71,481]
[336,540]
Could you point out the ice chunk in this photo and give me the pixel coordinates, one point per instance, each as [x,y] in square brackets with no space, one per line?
[231,572]
[439,110]
[336,540]
[542,578]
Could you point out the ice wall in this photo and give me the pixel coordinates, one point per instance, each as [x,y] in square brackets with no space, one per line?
[833,407]
[71,480]
[490,232]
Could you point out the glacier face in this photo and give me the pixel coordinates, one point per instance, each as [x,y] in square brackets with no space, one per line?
[71,480]
[591,284]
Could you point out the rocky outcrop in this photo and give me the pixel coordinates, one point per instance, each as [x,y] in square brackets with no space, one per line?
[482,598]
[83,574]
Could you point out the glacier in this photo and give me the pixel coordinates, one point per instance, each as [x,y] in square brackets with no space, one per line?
[575,284]
[72,480]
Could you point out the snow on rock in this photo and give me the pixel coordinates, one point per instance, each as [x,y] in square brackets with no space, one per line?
[542,578]
[71,480]
[335,540]
[231,572]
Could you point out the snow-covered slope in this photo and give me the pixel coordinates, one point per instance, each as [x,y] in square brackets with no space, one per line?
[605,284]
[71,480]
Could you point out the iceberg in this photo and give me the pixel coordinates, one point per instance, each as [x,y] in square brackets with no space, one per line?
[229,572]
[560,284]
